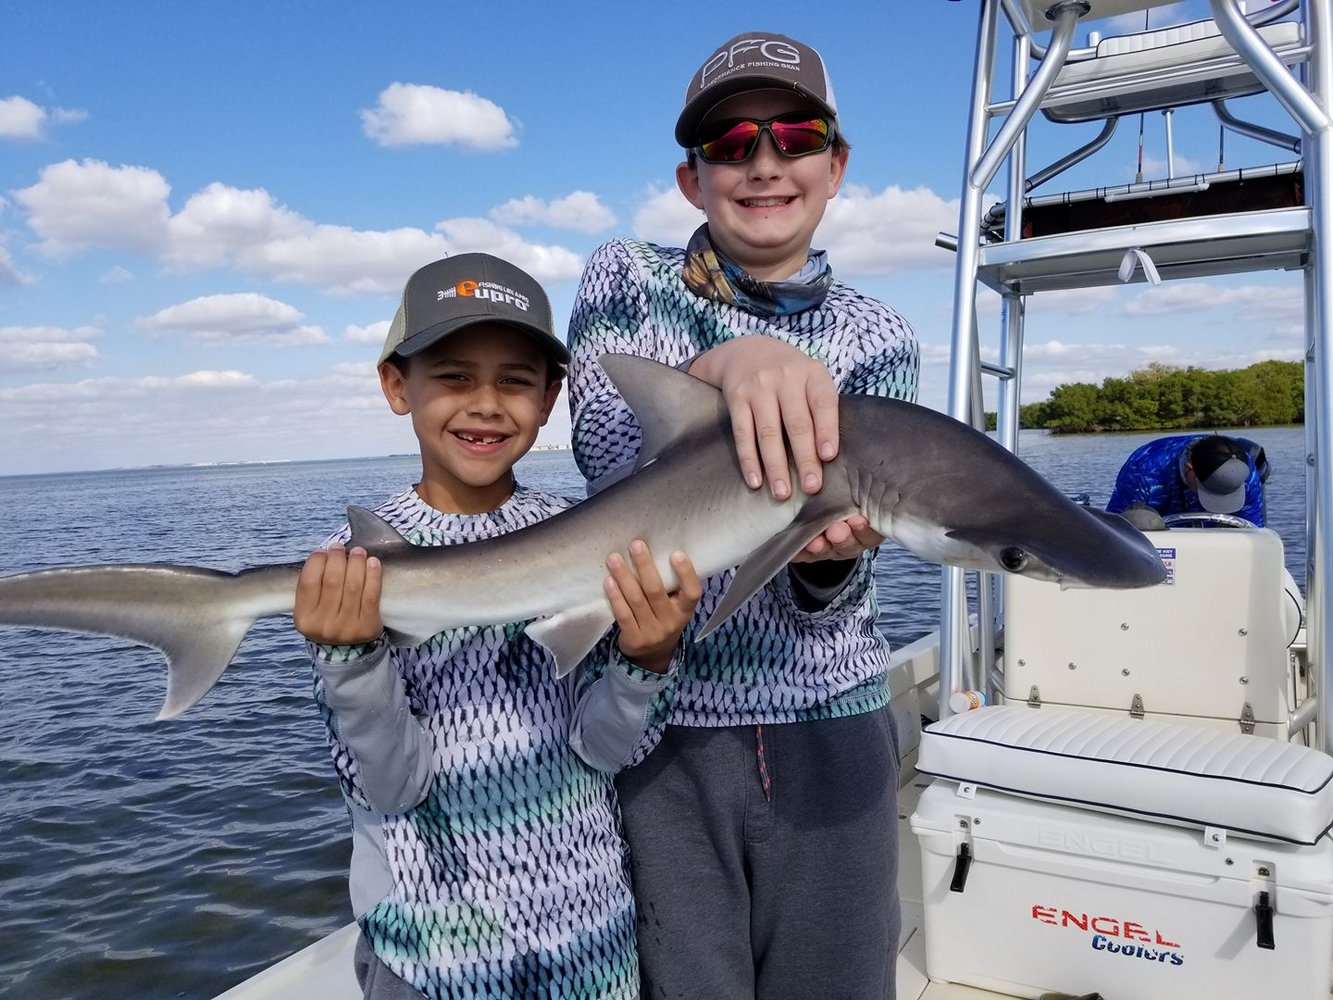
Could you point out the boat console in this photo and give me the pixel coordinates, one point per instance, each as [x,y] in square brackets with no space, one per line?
[1143,808]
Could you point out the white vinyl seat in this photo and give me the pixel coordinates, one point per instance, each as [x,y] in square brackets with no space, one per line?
[1165,772]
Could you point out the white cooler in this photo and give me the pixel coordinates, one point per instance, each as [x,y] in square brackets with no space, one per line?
[1159,898]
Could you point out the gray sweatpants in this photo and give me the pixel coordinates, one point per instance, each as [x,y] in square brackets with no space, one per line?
[376,980]
[784,893]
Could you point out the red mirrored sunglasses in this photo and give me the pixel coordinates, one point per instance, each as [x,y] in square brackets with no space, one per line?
[792,134]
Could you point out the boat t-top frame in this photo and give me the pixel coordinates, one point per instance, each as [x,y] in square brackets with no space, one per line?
[1179,227]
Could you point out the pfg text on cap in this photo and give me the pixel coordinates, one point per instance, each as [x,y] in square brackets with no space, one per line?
[754,60]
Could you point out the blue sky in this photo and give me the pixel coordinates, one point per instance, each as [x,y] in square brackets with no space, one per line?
[207,211]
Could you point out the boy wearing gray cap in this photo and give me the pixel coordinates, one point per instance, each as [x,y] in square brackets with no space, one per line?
[486,855]
[763,827]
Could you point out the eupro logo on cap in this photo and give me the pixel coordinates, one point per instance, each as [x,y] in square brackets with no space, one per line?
[491,290]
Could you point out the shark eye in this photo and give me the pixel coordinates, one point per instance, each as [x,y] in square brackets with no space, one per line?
[1013,559]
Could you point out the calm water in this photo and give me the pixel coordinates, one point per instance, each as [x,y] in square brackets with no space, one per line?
[142,860]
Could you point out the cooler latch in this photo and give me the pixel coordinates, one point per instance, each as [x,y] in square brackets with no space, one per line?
[1263,919]
[962,864]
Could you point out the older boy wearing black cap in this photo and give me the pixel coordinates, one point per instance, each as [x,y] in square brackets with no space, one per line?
[486,856]
[1189,474]
[763,828]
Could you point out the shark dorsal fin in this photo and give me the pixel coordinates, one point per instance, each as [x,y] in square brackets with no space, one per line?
[668,402]
[374,534]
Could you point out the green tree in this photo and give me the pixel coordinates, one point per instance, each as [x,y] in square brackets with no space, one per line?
[1168,397]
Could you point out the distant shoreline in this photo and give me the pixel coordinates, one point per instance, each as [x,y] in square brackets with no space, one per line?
[245,463]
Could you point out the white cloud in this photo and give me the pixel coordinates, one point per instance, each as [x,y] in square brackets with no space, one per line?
[876,233]
[666,218]
[373,334]
[410,114]
[10,275]
[21,119]
[545,263]
[76,206]
[1070,301]
[581,211]
[344,261]
[220,224]
[37,348]
[239,318]
[201,416]
[1251,302]
[116,275]
[1155,167]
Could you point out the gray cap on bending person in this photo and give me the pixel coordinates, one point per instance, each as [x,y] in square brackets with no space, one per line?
[1221,466]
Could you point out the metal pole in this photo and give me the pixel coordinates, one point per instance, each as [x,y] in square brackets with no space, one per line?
[953,594]
[1308,107]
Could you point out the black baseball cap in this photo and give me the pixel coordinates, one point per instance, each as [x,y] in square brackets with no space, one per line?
[456,292]
[754,60]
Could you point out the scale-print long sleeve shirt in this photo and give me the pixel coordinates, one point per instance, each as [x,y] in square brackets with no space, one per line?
[487,859]
[772,662]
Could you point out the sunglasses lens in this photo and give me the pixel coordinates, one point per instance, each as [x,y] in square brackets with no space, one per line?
[733,145]
[797,138]
[794,135]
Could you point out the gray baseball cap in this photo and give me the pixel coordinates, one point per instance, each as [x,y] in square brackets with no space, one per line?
[754,60]
[456,292]
[1222,470]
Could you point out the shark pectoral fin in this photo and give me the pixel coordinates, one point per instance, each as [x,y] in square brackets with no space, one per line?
[763,564]
[571,635]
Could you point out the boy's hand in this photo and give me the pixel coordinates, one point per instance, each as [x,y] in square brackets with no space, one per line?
[771,389]
[650,617]
[338,597]
[842,540]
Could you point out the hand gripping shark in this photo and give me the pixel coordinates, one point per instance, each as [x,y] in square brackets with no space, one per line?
[935,486]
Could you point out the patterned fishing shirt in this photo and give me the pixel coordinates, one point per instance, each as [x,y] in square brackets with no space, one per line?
[509,878]
[772,662]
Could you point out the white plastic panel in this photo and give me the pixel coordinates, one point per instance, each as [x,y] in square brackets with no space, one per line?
[1206,643]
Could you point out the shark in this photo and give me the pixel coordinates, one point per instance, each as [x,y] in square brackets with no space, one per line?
[932,484]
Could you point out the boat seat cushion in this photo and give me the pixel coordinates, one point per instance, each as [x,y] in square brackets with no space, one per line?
[1162,771]
[1170,67]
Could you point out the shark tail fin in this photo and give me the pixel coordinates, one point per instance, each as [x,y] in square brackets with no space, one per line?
[196,661]
[197,617]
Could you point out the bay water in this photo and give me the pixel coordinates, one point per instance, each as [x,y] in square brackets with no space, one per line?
[141,859]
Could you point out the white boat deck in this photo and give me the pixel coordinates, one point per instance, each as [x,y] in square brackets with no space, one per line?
[324,969]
